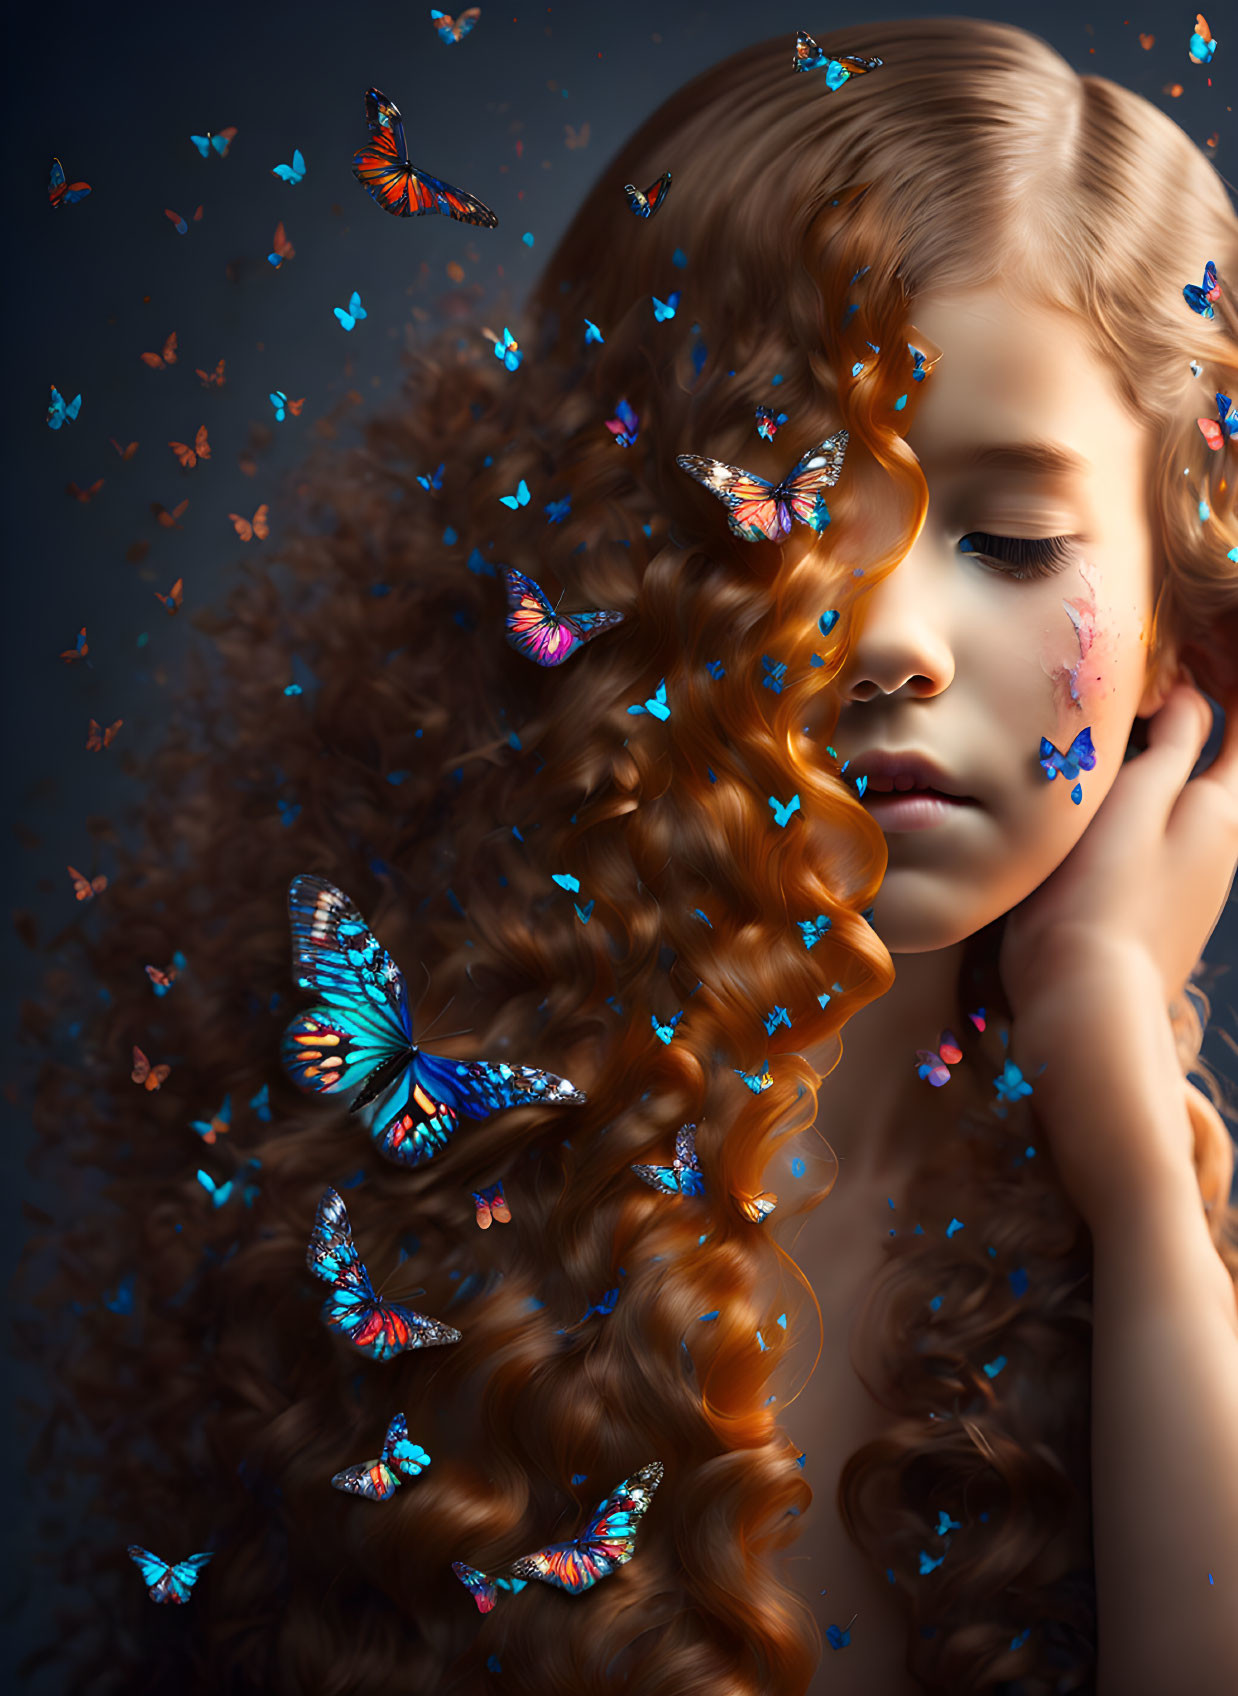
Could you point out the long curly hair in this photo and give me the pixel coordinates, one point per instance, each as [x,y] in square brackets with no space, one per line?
[195,1399]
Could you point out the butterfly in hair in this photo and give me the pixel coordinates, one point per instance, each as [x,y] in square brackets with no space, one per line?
[535,630]
[359,1038]
[645,202]
[839,68]
[383,169]
[166,1582]
[1200,297]
[607,1541]
[683,1175]
[378,1480]
[1217,434]
[759,509]
[374,1328]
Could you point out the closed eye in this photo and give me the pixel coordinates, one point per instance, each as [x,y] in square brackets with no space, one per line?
[1030,557]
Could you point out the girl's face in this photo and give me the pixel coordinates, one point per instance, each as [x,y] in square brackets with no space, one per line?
[969,657]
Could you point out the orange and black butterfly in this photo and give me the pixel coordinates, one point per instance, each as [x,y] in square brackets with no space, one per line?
[247,528]
[84,495]
[157,361]
[144,1073]
[189,456]
[757,508]
[86,888]
[212,379]
[97,737]
[839,68]
[382,167]
[166,518]
[80,651]
[125,453]
[173,597]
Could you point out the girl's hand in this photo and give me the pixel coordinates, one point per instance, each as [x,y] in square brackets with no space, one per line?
[1152,871]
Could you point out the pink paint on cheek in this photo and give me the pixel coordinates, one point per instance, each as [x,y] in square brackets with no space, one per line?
[1077,685]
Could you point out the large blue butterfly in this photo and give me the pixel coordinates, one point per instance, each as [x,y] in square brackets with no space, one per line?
[607,1541]
[164,1581]
[373,1327]
[1081,756]
[360,1037]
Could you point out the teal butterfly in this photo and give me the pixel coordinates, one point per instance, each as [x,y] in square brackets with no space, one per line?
[291,173]
[782,812]
[354,313]
[664,309]
[656,705]
[60,409]
[519,499]
[164,1581]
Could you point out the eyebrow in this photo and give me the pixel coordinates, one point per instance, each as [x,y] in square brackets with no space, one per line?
[1043,457]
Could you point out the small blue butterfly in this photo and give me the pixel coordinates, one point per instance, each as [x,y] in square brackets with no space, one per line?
[664,309]
[292,173]
[585,913]
[1200,298]
[666,1032]
[279,400]
[782,813]
[434,480]
[261,1103]
[519,499]
[354,313]
[557,511]
[757,1082]
[164,1581]
[657,705]
[221,142]
[918,363]
[508,350]
[1081,756]
[768,422]
[1202,45]
[59,409]
[813,929]
[837,1636]
[218,1193]
[683,1176]
[592,333]
[1010,1084]
[927,1565]
[209,1129]
[566,880]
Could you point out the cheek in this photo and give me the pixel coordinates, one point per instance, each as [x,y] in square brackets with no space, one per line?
[1079,653]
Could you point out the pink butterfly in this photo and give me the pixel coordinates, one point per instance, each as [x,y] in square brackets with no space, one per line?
[935,1066]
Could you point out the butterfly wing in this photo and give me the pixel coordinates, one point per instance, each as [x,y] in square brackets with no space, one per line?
[607,1541]
[753,511]
[383,168]
[532,628]
[483,1587]
[479,1088]
[687,1166]
[361,1028]
[819,469]
[372,1479]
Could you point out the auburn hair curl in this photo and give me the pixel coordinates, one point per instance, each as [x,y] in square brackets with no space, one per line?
[195,1398]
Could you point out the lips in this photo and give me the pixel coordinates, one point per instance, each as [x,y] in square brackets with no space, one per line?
[909,773]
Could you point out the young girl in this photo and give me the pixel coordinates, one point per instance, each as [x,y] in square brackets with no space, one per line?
[654,871]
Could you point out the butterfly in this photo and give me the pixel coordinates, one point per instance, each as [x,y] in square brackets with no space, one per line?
[282,247]
[220,143]
[59,191]
[359,1037]
[212,379]
[87,888]
[508,350]
[125,453]
[84,495]
[683,1175]
[291,173]
[625,425]
[592,333]
[768,421]
[757,509]
[157,361]
[59,409]
[382,167]
[810,57]
[757,1082]
[220,1193]
[1202,46]
[758,1208]
[491,1205]
[173,597]
[189,456]
[1200,299]
[665,1032]
[378,1480]
[354,314]
[1215,434]
[182,224]
[656,705]
[165,1582]
[279,400]
[814,929]
[80,648]
[607,1541]
[664,309]
[535,630]
[454,29]
[519,499]
[783,810]
[574,138]
[645,202]
[162,981]
[144,1073]
[978,1018]
[1081,756]
[839,1636]
[166,518]
[97,737]
[935,1064]
[261,1104]
[247,528]
[373,1328]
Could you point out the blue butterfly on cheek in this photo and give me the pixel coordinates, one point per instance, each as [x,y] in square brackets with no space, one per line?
[1080,756]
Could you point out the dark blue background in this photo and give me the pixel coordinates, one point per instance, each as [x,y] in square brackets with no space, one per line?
[115,92]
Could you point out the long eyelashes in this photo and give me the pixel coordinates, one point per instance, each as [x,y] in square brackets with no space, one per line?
[1030,557]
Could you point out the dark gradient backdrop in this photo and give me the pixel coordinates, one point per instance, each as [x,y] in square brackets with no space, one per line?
[116,91]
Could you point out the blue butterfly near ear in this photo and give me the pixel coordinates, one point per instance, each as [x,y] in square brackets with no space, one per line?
[374,1328]
[683,1176]
[164,1581]
[1081,756]
[359,1038]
